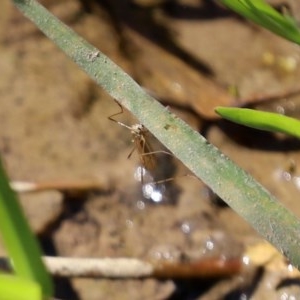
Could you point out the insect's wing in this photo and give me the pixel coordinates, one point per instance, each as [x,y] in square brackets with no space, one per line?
[147,157]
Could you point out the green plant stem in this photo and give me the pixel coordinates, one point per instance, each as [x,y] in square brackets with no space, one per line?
[19,240]
[16,288]
[266,16]
[231,183]
[261,120]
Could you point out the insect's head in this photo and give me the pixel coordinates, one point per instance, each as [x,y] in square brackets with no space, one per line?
[138,129]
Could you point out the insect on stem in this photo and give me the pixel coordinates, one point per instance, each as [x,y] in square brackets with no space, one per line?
[152,189]
[139,132]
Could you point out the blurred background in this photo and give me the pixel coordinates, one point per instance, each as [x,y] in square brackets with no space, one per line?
[192,56]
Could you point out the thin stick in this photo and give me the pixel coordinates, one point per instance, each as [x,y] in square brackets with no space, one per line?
[28,186]
[126,268]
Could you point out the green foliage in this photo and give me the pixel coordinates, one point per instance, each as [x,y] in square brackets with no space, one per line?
[264,15]
[261,120]
[17,288]
[20,242]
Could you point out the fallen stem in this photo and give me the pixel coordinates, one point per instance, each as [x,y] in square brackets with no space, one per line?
[125,268]
[65,186]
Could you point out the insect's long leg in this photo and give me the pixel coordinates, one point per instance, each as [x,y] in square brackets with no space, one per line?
[119,113]
[157,152]
[174,178]
[131,152]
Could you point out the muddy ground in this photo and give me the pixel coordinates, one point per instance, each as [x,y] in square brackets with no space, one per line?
[192,56]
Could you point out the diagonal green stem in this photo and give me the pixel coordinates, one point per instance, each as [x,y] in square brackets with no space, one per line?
[231,183]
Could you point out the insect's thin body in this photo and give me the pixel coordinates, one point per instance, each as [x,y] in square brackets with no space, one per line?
[146,154]
[139,138]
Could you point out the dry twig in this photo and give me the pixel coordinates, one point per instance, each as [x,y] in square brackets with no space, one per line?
[126,268]
[79,185]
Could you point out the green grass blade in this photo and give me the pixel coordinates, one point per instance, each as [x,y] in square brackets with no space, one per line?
[16,288]
[261,120]
[247,197]
[19,240]
[264,15]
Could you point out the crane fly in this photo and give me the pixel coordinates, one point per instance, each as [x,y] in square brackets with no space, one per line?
[155,190]
[139,138]
[146,154]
